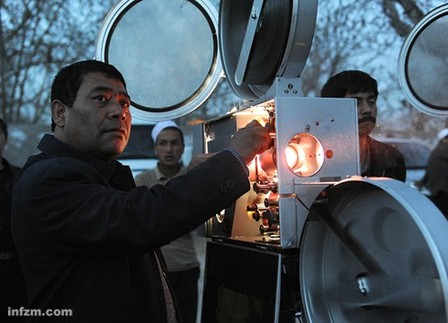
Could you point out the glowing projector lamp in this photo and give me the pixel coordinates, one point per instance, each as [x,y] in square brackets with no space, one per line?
[316,141]
[304,155]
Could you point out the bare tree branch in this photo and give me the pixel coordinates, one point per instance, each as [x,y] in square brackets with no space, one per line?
[36,39]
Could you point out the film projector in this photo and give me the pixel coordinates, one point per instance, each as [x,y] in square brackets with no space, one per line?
[312,241]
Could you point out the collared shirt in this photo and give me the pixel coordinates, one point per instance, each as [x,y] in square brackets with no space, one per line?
[179,254]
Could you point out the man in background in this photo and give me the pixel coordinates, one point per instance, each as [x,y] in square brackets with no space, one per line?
[180,255]
[436,176]
[12,290]
[377,159]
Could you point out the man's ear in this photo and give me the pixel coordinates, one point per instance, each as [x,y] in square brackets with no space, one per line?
[58,113]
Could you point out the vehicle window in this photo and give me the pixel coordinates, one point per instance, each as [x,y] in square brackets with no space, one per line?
[140,145]
[415,155]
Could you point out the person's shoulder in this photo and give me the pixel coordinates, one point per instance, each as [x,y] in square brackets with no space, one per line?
[183,170]
[40,166]
[146,178]
[12,168]
[146,173]
[383,145]
[387,148]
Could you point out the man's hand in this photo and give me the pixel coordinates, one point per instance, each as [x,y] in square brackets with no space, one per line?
[251,140]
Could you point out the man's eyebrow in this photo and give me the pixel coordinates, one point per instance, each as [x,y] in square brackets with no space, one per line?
[360,96]
[126,95]
[108,89]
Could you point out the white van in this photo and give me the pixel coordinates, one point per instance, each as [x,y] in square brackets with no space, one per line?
[139,153]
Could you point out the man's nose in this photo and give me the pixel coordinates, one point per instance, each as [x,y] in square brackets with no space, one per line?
[364,107]
[117,111]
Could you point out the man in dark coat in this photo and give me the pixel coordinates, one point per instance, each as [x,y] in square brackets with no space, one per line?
[12,290]
[377,159]
[437,174]
[88,239]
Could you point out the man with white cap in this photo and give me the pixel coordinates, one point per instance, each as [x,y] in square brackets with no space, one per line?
[180,255]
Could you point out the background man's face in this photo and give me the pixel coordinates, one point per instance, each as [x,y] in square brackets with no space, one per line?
[367,111]
[169,147]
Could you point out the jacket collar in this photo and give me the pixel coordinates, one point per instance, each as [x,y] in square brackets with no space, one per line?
[51,146]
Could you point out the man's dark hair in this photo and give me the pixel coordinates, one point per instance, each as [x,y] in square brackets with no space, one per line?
[69,79]
[4,128]
[353,81]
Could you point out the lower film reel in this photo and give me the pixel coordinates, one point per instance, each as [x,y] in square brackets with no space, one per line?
[375,250]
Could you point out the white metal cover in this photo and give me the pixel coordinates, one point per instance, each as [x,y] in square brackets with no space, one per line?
[167,51]
[423,63]
[261,40]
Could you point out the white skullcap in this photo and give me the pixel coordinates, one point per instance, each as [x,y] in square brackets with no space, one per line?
[160,126]
[442,133]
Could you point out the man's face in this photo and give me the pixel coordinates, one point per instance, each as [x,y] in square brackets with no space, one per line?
[169,147]
[367,110]
[99,122]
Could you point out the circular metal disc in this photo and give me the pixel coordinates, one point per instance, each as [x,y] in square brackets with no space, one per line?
[381,256]
[167,52]
[264,39]
[423,63]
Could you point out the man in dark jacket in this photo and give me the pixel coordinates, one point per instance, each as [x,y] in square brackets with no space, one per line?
[88,239]
[12,290]
[377,158]
[437,174]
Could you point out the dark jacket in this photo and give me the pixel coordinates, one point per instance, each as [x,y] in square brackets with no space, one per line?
[85,235]
[437,169]
[12,285]
[6,180]
[385,161]
[437,175]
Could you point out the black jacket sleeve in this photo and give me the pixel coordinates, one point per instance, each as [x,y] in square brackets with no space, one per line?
[70,205]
